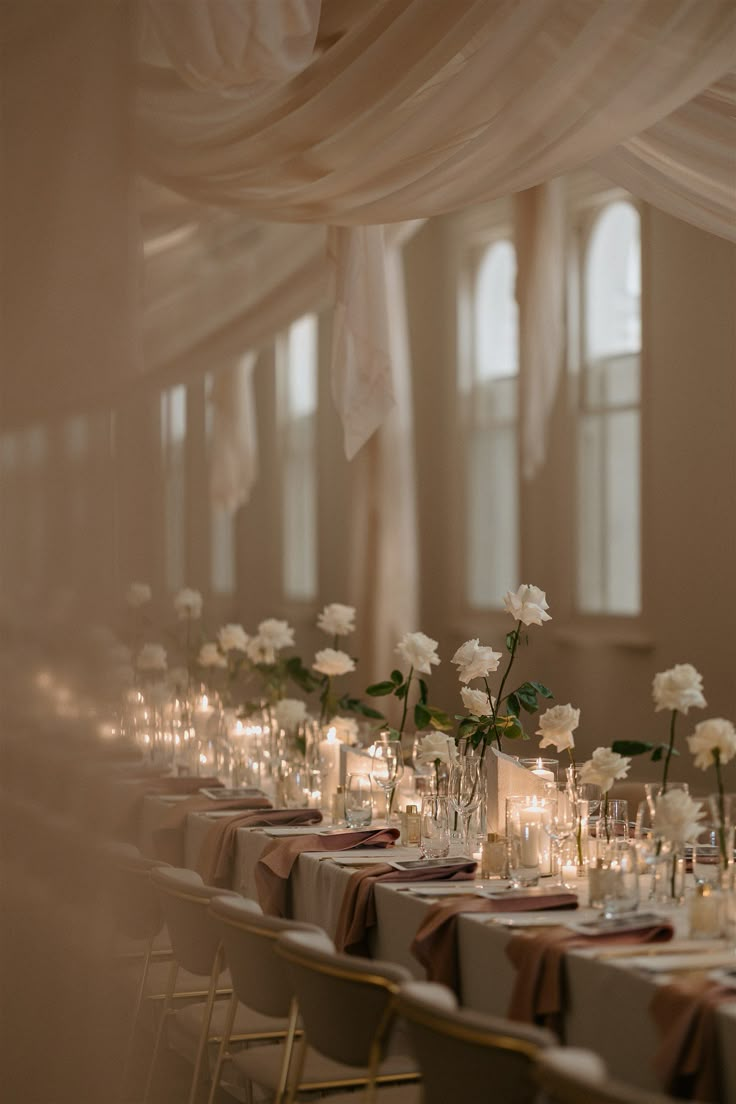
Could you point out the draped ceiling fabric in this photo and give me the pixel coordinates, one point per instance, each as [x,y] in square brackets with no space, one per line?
[420,107]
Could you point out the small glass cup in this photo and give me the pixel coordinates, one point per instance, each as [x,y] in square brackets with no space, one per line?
[358,801]
[528,841]
[545,769]
[618,877]
[435,826]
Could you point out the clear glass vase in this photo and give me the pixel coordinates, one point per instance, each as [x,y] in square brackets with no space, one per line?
[722,807]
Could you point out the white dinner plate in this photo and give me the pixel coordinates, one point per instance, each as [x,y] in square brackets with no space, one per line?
[552,918]
[672,963]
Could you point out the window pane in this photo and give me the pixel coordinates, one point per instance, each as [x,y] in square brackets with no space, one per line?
[492,521]
[173,444]
[496,314]
[613,284]
[222,523]
[298,403]
[609,422]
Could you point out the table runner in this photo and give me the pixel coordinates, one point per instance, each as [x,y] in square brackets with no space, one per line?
[168,838]
[358,910]
[687,1060]
[215,863]
[538,994]
[435,943]
[276,863]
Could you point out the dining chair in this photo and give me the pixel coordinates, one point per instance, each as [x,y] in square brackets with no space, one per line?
[570,1075]
[196,947]
[465,1055]
[347,1008]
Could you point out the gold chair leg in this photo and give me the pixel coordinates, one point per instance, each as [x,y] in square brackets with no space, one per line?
[128,1053]
[170,986]
[204,1033]
[224,1044]
[298,1071]
[288,1051]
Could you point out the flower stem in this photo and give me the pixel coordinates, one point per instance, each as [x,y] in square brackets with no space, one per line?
[406,701]
[721,809]
[437,774]
[578,817]
[670,748]
[495,731]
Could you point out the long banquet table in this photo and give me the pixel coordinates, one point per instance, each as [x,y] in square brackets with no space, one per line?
[607,1002]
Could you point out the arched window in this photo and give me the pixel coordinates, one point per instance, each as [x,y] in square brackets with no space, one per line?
[297,378]
[492,515]
[608,493]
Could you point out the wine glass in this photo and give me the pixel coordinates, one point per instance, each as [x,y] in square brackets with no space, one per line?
[387,767]
[562,821]
[465,791]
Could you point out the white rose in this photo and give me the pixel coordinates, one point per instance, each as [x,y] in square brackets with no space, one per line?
[680,688]
[528,605]
[138,594]
[474,660]
[260,651]
[188,604]
[605,768]
[290,713]
[476,702]
[232,638]
[211,656]
[331,662]
[151,657]
[276,634]
[419,651]
[346,730]
[557,725]
[337,620]
[677,815]
[717,734]
[436,746]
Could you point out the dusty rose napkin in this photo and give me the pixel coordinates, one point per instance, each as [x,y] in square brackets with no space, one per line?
[538,995]
[278,858]
[168,838]
[358,908]
[215,862]
[687,1060]
[435,943]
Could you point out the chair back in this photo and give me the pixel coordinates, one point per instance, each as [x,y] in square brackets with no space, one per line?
[185,902]
[259,977]
[131,895]
[570,1075]
[466,1055]
[346,1003]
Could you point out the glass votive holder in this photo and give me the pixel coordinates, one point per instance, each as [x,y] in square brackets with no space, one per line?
[613,880]
[545,769]
[529,845]
[434,828]
[358,801]
[707,912]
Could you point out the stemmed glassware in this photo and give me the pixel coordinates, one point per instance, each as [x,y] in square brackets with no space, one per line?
[465,791]
[562,821]
[387,767]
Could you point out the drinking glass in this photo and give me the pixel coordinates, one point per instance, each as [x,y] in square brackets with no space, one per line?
[561,824]
[358,801]
[527,839]
[465,791]
[707,855]
[434,826]
[653,790]
[387,767]
[618,877]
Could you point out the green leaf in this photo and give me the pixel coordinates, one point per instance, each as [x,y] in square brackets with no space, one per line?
[512,704]
[402,691]
[631,747]
[438,718]
[541,689]
[422,716]
[510,727]
[467,726]
[657,754]
[397,677]
[423,692]
[380,689]
[528,697]
[510,638]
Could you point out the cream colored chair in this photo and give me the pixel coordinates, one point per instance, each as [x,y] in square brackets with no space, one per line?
[567,1075]
[195,944]
[468,1056]
[347,1008]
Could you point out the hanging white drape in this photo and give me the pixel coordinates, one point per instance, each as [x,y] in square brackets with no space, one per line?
[234,462]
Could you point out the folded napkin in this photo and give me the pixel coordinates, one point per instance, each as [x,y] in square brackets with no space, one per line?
[435,943]
[275,864]
[687,1060]
[215,862]
[538,990]
[168,838]
[358,908]
[123,802]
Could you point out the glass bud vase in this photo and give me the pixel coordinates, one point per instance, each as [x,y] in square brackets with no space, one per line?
[722,808]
